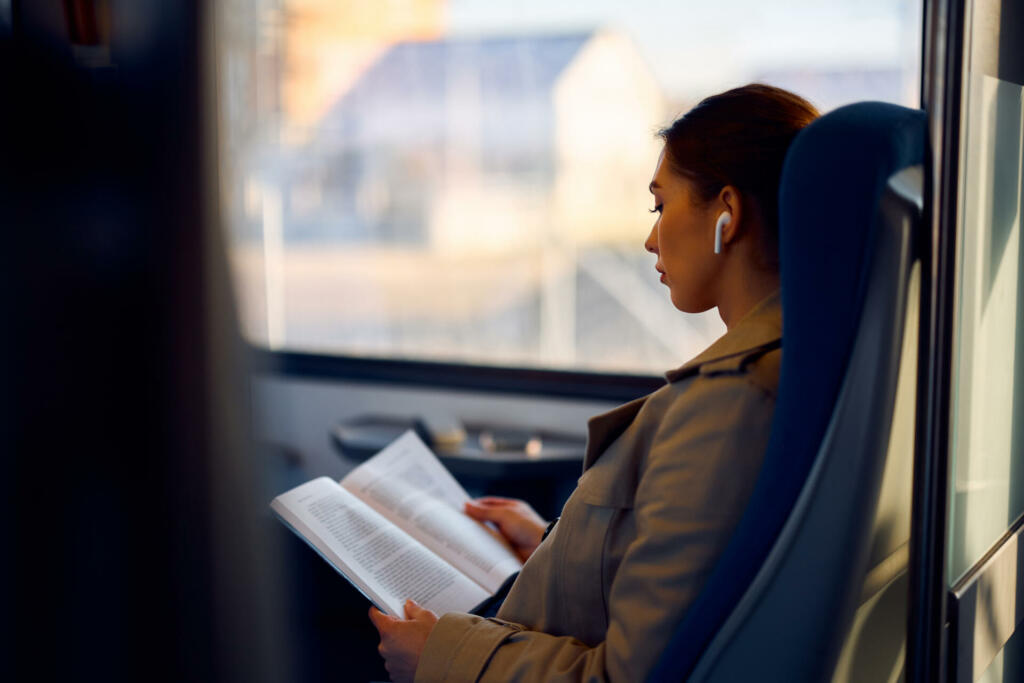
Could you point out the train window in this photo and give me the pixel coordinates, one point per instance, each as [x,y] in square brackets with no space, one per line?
[987,493]
[466,180]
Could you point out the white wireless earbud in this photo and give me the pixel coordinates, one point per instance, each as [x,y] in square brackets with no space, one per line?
[723,220]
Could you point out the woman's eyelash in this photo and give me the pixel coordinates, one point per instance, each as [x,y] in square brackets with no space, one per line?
[656,209]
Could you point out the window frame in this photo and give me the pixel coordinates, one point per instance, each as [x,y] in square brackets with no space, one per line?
[494,379]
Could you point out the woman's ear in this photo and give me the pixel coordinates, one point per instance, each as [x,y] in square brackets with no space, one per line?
[729,200]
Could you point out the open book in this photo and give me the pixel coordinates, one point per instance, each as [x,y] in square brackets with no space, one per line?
[395,528]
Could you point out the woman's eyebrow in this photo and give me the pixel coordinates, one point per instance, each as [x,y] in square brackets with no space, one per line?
[653,186]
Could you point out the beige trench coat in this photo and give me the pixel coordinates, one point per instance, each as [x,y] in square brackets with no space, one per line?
[665,480]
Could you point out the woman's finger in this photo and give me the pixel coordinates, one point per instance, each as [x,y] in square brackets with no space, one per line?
[495,501]
[380,620]
[485,514]
[476,510]
[412,610]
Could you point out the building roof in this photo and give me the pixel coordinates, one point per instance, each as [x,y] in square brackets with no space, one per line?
[511,64]
[414,84]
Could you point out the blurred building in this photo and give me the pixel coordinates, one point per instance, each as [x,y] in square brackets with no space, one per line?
[479,144]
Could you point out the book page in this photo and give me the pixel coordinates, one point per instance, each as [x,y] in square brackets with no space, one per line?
[406,483]
[381,560]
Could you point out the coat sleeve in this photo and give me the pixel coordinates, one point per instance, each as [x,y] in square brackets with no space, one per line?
[695,481]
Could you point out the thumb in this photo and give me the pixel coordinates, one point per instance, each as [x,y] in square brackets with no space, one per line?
[413,610]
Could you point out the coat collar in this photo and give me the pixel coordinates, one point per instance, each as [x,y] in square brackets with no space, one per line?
[760,327]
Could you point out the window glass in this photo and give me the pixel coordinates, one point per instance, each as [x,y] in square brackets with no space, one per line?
[987,482]
[467,179]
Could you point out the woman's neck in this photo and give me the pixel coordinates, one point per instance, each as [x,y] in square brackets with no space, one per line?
[739,294]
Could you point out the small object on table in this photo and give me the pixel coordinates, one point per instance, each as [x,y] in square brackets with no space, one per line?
[446,434]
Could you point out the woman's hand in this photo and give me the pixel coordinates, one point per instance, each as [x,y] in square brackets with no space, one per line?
[515,519]
[402,640]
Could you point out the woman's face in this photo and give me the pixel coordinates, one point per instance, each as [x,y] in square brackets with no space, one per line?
[683,238]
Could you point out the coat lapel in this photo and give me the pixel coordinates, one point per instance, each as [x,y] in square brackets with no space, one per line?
[603,429]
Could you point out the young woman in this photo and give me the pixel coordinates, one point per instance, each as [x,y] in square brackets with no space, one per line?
[665,477]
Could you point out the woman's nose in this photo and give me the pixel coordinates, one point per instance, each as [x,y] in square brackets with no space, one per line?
[651,243]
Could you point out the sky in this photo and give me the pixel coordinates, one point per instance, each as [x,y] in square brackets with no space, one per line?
[692,45]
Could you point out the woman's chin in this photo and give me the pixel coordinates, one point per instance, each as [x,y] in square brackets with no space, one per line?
[690,305]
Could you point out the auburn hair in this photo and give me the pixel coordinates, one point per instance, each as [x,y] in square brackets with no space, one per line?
[740,138]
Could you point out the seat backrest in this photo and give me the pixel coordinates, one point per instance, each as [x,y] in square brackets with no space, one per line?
[874,648]
[777,602]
